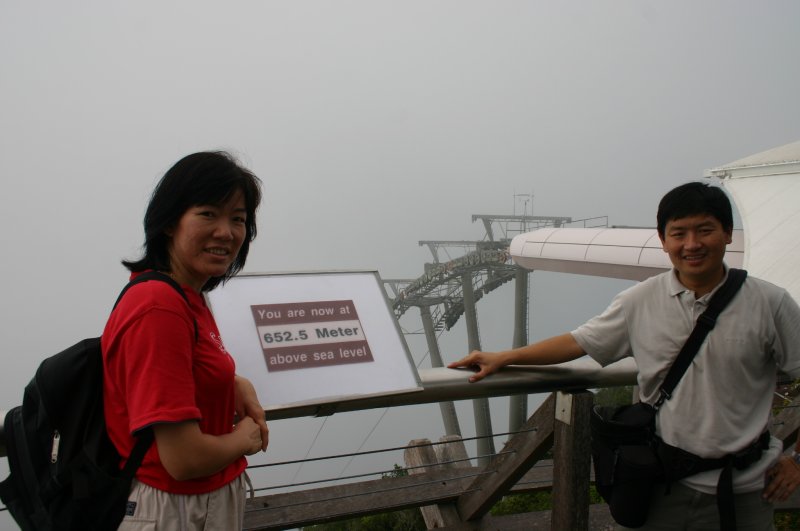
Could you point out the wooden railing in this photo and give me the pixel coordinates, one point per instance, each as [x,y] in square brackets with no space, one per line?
[452,494]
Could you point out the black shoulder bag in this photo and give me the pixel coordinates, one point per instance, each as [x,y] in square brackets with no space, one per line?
[629,459]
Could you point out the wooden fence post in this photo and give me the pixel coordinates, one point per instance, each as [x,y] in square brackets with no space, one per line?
[451,452]
[571,461]
[420,454]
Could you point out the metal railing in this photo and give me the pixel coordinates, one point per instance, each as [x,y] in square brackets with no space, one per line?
[442,384]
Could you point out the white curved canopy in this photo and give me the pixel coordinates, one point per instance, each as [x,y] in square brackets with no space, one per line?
[766,190]
[632,254]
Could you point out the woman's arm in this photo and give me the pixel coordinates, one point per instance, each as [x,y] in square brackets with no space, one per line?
[187,453]
[247,405]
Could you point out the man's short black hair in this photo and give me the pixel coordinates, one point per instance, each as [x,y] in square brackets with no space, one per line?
[692,199]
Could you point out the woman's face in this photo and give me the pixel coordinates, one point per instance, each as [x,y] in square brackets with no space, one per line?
[206,241]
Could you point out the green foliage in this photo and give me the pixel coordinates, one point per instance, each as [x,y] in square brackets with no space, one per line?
[785,521]
[405,520]
[594,496]
[533,501]
[523,503]
[614,396]
[784,396]
[398,472]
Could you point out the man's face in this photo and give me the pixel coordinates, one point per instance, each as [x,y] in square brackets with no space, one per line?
[696,246]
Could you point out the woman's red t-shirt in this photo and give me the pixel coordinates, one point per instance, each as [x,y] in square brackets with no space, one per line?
[156,372]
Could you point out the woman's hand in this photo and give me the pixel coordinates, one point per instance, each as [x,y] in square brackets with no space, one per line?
[250,433]
[247,406]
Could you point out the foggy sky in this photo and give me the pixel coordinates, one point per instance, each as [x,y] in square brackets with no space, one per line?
[373,125]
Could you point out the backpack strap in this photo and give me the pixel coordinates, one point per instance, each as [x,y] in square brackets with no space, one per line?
[144,439]
[161,277]
[706,321]
[145,436]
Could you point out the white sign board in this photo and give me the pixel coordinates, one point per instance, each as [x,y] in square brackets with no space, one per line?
[313,337]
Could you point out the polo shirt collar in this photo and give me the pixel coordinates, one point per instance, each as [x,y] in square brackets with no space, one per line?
[676,288]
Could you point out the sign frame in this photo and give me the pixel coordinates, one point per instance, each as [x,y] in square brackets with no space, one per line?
[373,360]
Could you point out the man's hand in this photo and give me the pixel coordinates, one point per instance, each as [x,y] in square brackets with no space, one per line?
[782,480]
[557,349]
[484,363]
[247,405]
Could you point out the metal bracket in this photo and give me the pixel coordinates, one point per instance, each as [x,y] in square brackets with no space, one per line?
[326,410]
[564,407]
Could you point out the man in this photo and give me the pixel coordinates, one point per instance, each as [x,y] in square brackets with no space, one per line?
[722,404]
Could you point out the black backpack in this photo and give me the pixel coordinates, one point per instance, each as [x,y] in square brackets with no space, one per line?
[65,472]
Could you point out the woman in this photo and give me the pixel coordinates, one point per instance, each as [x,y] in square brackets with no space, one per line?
[164,361]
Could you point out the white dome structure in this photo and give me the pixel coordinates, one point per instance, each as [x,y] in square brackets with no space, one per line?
[766,190]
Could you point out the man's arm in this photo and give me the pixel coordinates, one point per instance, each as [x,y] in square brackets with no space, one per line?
[557,349]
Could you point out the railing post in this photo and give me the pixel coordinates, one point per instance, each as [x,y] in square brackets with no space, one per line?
[420,457]
[571,461]
[447,408]
[480,406]
[518,404]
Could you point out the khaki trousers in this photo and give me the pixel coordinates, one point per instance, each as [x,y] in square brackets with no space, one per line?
[151,509]
[685,509]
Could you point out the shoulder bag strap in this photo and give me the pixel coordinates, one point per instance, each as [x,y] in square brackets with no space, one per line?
[705,323]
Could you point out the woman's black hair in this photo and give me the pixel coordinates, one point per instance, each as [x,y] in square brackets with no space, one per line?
[205,178]
[692,199]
